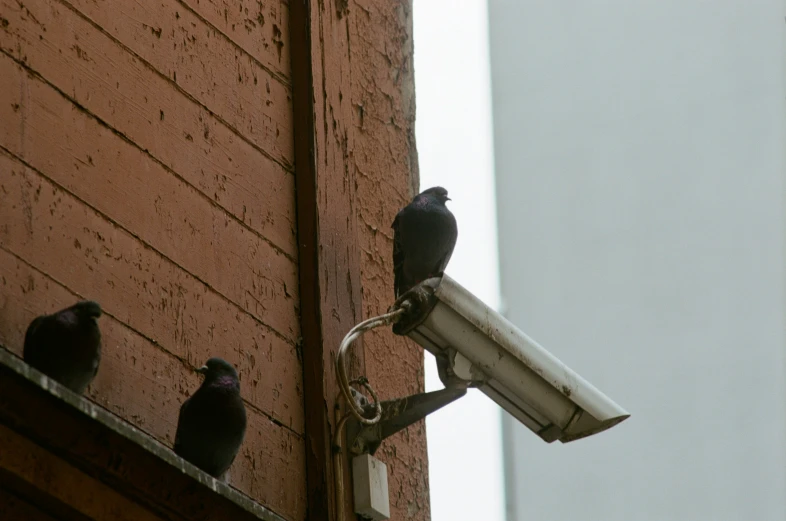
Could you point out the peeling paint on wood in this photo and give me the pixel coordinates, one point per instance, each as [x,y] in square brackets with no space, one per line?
[328,256]
[151,146]
[387,177]
[144,384]
[144,291]
[98,74]
[371,49]
[176,42]
[261,28]
[118,180]
[146,161]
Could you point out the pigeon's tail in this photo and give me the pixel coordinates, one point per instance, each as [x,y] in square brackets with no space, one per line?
[87,308]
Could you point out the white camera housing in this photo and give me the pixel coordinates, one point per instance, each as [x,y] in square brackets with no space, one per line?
[486,351]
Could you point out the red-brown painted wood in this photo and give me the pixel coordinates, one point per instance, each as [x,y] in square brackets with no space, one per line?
[120,181]
[63,238]
[385,156]
[167,130]
[260,28]
[329,256]
[102,77]
[204,63]
[142,383]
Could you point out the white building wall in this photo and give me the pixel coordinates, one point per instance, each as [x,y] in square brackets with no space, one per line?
[639,151]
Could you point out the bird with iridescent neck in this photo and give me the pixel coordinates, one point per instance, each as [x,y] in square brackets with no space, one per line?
[66,346]
[212,422]
[424,235]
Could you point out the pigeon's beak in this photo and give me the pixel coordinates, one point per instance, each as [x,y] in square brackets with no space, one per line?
[201,370]
[448,198]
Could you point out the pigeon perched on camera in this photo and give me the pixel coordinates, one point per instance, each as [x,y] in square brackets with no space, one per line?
[66,346]
[424,236]
[212,421]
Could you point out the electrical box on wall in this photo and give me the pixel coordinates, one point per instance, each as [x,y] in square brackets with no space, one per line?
[370,478]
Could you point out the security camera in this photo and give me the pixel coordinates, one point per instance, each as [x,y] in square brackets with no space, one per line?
[477,347]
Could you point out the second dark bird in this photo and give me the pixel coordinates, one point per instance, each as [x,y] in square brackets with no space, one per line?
[66,346]
[212,422]
[424,235]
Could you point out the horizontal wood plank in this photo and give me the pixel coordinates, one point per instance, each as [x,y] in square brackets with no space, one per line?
[204,63]
[259,28]
[63,238]
[105,79]
[117,179]
[146,386]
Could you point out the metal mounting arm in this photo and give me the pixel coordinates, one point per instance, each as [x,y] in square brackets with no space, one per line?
[397,415]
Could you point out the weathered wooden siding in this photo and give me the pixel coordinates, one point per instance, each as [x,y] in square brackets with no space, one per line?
[356,159]
[147,156]
[146,161]
[385,161]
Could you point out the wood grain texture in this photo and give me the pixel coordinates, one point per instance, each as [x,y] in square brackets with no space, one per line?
[261,28]
[383,101]
[162,144]
[141,196]
[98,74]
[327,233]
[143,290]
[206,65]
[140,382]
[146,157]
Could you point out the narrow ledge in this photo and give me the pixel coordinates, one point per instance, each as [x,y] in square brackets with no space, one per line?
[113,451]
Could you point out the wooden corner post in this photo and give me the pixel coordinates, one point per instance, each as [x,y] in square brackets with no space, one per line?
[329,256]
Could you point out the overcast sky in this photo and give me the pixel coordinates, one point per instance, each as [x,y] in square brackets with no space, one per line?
[649,141]
[455,151]
[639,153]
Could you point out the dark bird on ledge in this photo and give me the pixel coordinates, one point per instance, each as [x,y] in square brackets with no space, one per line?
[212,421]
[66,346]
[424,236]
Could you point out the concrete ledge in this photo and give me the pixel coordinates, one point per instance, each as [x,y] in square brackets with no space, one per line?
[113,451]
